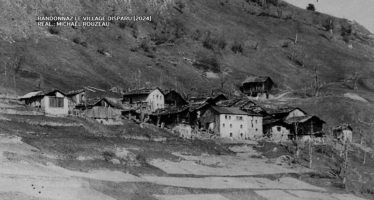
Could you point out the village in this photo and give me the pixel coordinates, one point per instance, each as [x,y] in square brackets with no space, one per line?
[206,117]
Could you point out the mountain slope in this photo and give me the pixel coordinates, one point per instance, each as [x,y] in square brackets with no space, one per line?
[194,46]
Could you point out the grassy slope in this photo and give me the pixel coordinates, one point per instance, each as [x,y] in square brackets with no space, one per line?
[66,65]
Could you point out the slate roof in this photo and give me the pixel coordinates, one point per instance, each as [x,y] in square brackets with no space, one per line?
[229,110]
[141,91]
[256,79]
[31,94]
[171,110]
[74,92]
[39,94]
[302,119]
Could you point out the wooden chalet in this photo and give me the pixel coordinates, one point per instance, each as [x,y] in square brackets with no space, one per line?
[170,116]
[174,99]
[147,100]
[106,111]
[305,126]
[256,85]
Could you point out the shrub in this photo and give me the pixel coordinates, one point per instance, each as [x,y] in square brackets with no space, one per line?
[214,43]
[346,33]
[53,30]
[328,24]
[207,62]
[237,47]
[77,40]
[145,45]
[196,35]
[122,24]
[84,44]
[311,7]
[108,155]
[180,4]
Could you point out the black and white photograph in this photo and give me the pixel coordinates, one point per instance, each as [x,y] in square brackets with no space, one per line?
[186,99]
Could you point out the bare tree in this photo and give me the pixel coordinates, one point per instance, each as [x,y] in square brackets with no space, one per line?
[317,84]
[296,142]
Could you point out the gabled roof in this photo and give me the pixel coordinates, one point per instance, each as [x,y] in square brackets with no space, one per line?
[267,121]
[141,91]
[229,110]
[282,112]
[169,111]
[171,92]
[39,94]
[303,119]
[343,127]
[110,102]
[257,79]
[197,106]
[53,92]
[74,92]
[31,94]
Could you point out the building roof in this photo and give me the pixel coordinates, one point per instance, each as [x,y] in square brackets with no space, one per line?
[40,94]
[173,92]
[197,106]
[281,113]
[74,92]
[269,121]
[229,110]
[141,91]
[303,119]
[112,102]
[31,94]
[170,111]
[343,127]
[256,79]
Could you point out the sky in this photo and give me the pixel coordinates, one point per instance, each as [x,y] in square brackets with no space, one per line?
[361,11]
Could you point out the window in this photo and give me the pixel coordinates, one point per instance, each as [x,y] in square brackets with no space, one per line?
[225,116]
[223,125]
[239,118]
[241,135]
[256,129]
[229,117]
[230,134]
[230,125]
[241,125]
[56,102]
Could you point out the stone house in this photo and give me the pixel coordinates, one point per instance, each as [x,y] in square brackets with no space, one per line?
[231,122]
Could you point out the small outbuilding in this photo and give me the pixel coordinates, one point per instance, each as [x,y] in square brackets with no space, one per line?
[305,126]
[343,133]
[105,111]
[54,102]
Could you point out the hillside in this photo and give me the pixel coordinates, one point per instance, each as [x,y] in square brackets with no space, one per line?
[194,46]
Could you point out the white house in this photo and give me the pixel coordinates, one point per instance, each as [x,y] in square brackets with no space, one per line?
[231,122]
[54,102]
[152,98]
